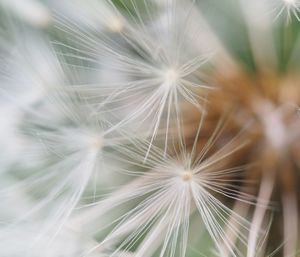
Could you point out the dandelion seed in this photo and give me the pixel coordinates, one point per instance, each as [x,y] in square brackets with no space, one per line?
[66,163]
[171,192]
[159,74]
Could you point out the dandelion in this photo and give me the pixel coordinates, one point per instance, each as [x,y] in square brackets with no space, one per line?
[65,163]
[60,149]
[159,76]
[170,194]
[149,128]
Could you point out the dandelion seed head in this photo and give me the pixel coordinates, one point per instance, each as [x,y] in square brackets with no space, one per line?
[125,86]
